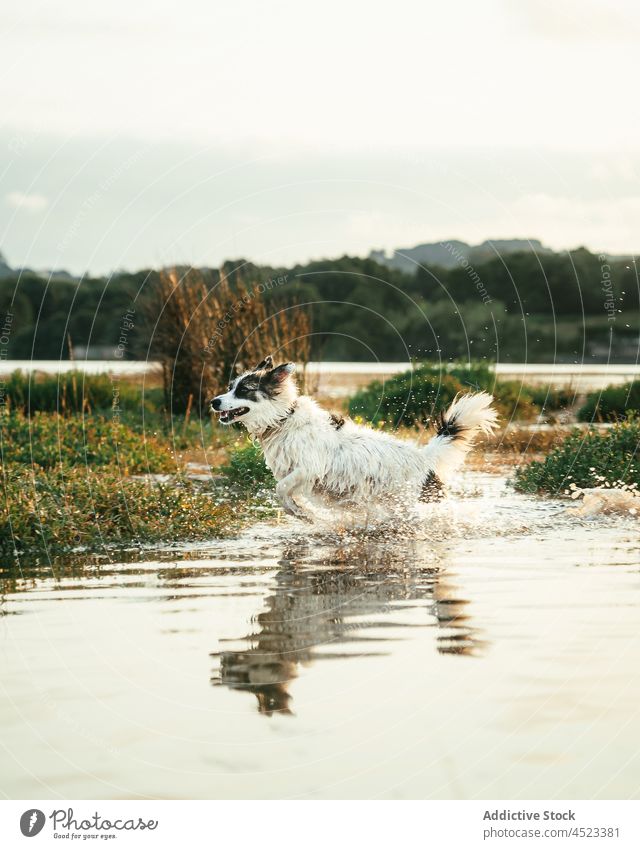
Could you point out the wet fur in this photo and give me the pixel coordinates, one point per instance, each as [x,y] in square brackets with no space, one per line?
[315,453]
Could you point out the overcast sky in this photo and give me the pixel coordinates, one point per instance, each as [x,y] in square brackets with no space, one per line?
[144,133]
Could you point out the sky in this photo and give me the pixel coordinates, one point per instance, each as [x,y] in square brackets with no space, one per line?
[148,133]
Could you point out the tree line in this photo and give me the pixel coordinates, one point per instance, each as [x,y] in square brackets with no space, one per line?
[566,306]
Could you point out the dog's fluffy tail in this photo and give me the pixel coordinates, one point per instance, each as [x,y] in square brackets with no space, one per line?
[456,429]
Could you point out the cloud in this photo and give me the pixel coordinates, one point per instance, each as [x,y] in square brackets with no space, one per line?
[579,20]
[603,224]
[26,202]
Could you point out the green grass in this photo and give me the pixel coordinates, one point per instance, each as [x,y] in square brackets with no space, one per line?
[75,395]
[246,469]
[76,392]
[586,459]
[48,511]
[49,439]
[68,481]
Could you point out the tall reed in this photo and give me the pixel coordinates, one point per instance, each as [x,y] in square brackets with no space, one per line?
[206,328]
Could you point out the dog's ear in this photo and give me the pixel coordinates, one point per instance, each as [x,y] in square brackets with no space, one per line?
[266,364]
[281,372]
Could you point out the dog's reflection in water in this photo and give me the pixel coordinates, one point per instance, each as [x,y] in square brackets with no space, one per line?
[325,600]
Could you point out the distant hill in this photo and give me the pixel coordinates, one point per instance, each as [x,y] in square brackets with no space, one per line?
[54,274]
[5,270]
[450,253]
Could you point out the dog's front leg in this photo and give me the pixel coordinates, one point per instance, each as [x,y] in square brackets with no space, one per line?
[285,489]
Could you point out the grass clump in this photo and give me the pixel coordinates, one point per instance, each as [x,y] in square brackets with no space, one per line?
[411,398]
[76,392]
[70,481]
[611,403]
[587,459]
[54,510]
[246,469]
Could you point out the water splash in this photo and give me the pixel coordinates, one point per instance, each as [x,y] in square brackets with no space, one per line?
[603,500]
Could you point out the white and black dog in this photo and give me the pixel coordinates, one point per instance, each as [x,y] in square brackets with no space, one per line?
[315,453]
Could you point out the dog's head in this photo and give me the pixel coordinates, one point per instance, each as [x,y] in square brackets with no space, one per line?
[258,397]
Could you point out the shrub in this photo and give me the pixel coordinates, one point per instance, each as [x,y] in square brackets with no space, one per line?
[611,403]
[47,439]
[586,459]
[247,469]
[514,400]
[413,397]
[550,398]
[56,510]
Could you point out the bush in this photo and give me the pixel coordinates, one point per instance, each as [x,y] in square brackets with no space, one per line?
[76,392]
[611,403]
[413,397]
[514,400]
[47,439]
[550,398]
[54,511]
[247,469]
[586,459]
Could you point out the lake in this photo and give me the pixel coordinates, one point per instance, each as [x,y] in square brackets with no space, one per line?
[489,648]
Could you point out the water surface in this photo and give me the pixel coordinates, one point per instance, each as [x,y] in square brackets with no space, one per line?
[489,650]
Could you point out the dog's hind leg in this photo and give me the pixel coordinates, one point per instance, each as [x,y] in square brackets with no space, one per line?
[285,490]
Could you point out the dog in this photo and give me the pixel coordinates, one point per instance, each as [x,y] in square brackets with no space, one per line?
[313,453]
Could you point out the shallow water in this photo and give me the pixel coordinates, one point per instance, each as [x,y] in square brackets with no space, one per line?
[491,650]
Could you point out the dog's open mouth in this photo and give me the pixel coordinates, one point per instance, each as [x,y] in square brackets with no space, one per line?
[228,416]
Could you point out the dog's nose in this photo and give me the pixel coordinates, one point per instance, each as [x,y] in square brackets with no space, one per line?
[215,404]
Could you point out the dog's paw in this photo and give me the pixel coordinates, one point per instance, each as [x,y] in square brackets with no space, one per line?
[292,509]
